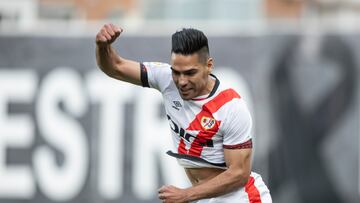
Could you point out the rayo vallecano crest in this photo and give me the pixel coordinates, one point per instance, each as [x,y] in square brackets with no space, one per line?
[207,123]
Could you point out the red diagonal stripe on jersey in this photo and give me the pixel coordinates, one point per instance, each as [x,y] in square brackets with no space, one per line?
[181,147]
[208,109]
[252,191]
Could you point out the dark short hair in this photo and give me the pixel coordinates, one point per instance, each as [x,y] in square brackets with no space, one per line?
[189,41]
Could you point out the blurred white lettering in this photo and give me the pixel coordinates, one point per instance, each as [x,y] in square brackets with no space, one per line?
[61,161]
[111,96]
[16,131]
[58,127]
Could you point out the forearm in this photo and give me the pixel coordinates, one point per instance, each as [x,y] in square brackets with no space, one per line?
[108,60]
[224,183]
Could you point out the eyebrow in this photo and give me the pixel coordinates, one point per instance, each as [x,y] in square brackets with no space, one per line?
[186,71]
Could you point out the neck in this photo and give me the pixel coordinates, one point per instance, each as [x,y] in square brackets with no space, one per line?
[209,86]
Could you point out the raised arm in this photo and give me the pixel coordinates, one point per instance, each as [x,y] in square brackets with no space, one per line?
[112,63]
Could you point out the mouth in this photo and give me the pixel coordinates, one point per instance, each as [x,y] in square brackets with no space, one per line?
[185,91]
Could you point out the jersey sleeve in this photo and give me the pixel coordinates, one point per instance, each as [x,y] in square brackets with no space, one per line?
[237,127]
[155,75]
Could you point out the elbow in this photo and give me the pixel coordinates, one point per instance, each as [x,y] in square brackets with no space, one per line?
[108,71]
[113,71]
[110,64]
[244,179]
[241,177]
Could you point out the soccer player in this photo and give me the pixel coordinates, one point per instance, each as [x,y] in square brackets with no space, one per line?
[210,123]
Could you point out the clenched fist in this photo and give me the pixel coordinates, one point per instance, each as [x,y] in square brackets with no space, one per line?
[108,34]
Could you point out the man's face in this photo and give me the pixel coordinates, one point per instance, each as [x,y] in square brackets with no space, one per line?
[190,75]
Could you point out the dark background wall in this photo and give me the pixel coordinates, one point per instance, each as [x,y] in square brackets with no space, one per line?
[70,134]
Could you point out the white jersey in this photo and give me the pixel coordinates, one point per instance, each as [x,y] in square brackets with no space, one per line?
[202,127]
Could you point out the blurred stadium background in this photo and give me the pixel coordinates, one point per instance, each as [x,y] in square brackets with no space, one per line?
[70,134]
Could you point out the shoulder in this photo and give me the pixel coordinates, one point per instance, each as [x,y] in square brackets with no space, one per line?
[231,100]
[225,98]
[234,109]
[161,65]
[157,74]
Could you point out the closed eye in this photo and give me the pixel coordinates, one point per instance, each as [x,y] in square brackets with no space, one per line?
[190,72]
[175,72]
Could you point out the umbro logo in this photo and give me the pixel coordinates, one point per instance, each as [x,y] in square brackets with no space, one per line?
[177,105]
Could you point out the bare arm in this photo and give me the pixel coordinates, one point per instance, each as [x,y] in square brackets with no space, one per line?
[236,176]
[112,63]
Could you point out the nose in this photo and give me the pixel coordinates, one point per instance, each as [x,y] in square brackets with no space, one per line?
[182,80]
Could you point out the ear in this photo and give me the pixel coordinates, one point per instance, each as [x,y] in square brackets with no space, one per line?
[210,64]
